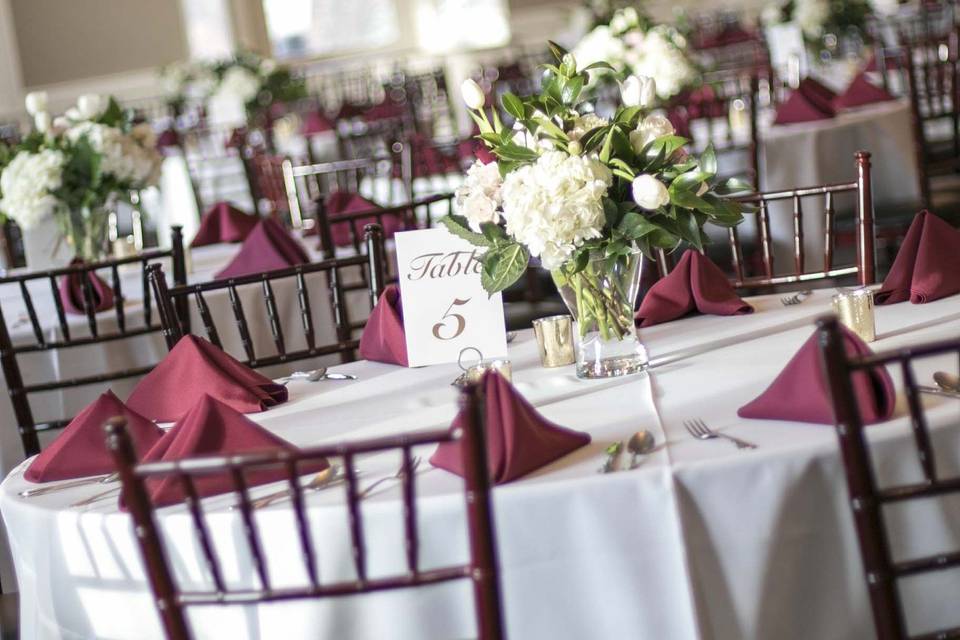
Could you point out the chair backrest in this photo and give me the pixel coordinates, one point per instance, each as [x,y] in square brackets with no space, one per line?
[268,184]
[173,305]
[173,599]
[867,497]
[95,334]
[864,268]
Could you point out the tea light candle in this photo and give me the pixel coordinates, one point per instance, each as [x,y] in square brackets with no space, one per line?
[555,340]
[855,310]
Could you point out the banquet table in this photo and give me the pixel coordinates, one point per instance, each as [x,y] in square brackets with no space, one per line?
[701,540]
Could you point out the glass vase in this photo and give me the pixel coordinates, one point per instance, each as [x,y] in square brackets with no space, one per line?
[86,231]
[601,298]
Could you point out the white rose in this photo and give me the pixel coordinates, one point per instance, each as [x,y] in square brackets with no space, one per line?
[73,114]
[652,127]
[36,102]
[638,91]
[649,193]
[42,121]
[472,94]
[89,106]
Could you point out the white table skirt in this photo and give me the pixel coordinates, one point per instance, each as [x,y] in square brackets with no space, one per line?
[701,541]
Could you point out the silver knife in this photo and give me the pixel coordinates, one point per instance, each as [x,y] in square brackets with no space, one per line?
[937,391]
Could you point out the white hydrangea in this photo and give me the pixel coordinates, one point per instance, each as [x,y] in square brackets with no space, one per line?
[479,197]
[131,159]
[660,54]
[585,123]
[600,45]
[885,7]
[811,15]
[27,184]
[554,205]
[239,83]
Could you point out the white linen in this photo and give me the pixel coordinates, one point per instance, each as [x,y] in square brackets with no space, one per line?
[701,541]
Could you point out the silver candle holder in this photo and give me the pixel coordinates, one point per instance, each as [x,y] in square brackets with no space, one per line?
[555,340]
[854,309]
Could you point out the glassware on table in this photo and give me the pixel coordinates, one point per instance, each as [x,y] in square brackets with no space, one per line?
[854,309]
[555,340]
[474,372]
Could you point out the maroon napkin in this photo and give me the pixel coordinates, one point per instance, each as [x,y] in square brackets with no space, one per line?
[471,150]
[194,368]
[695,284]
[818,92]
[810,101]
[383,338]
[315,122]
[385,110]
[344,202]
[860,92]
[927,266]
[212,428]
[269,246]
[168,138]
[71,291]
[80,450]
[800,393]
[224,223]
[519,440]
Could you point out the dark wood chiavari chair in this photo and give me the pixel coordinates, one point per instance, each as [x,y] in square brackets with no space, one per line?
[430,103]
[218,160]
[173,303]
[867,498]
[10,352]
[922,22]
[173,599]
[268,184]
[864,267]
[935,100]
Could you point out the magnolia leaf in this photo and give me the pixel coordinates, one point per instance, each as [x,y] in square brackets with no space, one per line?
[458,226]
[557,51]
[610,212]
[571,90]
[502,266]
[708,161]
[492,232]
[683,197]
[734,186]
[635,225]
[513,105]
[605,66]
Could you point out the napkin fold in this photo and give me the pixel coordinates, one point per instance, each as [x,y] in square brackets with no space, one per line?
[269,246]
[809,102]
[71,291]
[800,393]
[695,284]
[384,339]
[80,449]
[519,439]
[927,266]
[860,92]
[168,138]
[224,223]
[345,202]
[195,368]
[316,122]
[212,428]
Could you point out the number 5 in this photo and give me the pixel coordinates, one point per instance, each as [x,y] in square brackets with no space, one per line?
[461,321]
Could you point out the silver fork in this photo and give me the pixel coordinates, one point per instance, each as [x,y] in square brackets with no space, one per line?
[699,430]
[796,298]
[397,476]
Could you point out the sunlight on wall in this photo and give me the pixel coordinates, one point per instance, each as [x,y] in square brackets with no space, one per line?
[448,25]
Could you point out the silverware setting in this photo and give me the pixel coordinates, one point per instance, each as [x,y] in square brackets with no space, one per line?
[315,375]
[321,480]
[97,497]
[511,336]
[640,444]
[948,385]
[401,472]
[699,430]
[69,484]
[613,454]
[796,298]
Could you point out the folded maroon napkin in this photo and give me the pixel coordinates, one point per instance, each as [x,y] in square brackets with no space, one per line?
[820,93]
[269,246]
[315,122]
[810,101]
[383,338]
[344,202]
[168,138]
[80,450]
[861,92]
[384,111]
[224,223]
[471,150]
[927,266]
[695,284]
[71,291]
[194,368]
[212,428]
[519,440]
[800,393]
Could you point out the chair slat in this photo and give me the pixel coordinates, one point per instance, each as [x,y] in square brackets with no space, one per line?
[303,528]
[918,423]
[209,326]
[411,537]
[192,500]
[766,240]
[118,298]
[828,231]
[61,315]
[250,530]
[306,313]
[241,321]
[89,306]
[147,300]
[32,314]
[273,317]
[798,252]
[357,542]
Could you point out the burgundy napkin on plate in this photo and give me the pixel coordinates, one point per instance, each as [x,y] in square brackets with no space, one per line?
[80,450]
[383,338]
[71,291]
[519,440]
[810,101]
[212,428]
[315,122]
[695,284]
[269,246]
[861,92]
[224,223]
[800,392]
[194,368]
[927,266]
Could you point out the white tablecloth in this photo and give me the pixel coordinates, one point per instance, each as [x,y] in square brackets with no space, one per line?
[701,541]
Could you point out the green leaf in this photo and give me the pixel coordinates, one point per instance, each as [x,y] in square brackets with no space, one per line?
[635,225]
[607,145]
[458,226]
[571,90]
[687,199]
[734,186]
[605,66]
[513,105]
[557,51]
[708,161]
[689,229]
[492,232]
[502,266]
[611,212]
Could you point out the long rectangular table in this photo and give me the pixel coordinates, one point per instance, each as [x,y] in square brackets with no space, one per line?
[700,541]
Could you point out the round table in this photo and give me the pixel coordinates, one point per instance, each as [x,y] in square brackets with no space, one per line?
[702,540]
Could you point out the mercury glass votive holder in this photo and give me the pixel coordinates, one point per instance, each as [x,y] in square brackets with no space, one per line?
[500,365]
[555,340]
[855,310]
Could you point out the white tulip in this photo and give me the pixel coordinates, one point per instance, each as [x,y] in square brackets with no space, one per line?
[60,124]
[638,91]
[652,127]
[472,94]
[73,114]
[36,102]
[649,193]
[89,106]
[648,91]
[42,121]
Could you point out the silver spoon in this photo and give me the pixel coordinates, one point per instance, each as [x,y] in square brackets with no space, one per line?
[947,381]
[640,443]
[316,375]
[39,491]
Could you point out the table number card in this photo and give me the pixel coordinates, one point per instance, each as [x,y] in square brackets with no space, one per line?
[445,308]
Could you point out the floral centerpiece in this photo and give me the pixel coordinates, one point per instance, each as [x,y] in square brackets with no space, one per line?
[587,197]
[74,168]
[817,18]
[632,44]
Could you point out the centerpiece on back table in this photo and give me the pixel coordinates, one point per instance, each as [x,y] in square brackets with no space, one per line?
[588,197]
[75,168]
